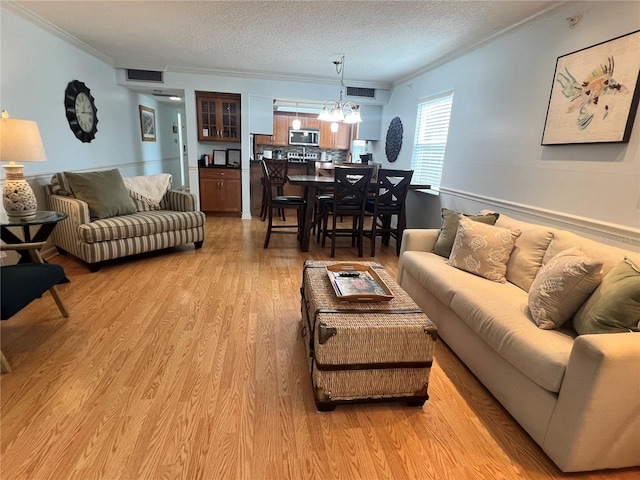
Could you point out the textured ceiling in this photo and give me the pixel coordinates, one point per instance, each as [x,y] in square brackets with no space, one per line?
[384,41]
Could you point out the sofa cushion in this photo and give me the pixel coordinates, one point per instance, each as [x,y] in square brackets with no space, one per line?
[608,254]
[615,304]
[562,286]
[139,224]
[526,257]
[103,191]
[503,323]
[482,249]
[443,281]
[449,229]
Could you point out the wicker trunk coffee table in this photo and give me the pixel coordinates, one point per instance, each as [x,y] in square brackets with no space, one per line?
[363,351]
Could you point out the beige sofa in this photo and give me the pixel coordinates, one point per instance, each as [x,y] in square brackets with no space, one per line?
[173,220]
[578,396]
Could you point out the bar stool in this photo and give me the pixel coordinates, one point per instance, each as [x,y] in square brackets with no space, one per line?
[272,174]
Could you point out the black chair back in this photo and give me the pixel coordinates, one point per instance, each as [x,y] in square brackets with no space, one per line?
[351,188]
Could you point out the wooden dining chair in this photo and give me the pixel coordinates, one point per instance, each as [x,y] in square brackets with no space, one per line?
[278,169]
[389,201]
[274,178]
[350,192]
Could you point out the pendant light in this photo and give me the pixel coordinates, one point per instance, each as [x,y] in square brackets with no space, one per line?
[296,124]
[347,112]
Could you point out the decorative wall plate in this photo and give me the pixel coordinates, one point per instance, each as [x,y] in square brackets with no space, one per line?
[394,140]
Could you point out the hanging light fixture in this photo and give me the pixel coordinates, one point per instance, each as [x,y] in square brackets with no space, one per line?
[296,124]
[347,112]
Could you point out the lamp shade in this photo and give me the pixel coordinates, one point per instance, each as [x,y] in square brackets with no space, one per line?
[20,141]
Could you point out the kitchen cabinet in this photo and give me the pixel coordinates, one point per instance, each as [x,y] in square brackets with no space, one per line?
[340,140]
[220,191]
[280,135]
[218,117]
[309,122]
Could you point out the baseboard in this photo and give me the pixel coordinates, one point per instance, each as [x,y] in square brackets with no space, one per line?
[610,233]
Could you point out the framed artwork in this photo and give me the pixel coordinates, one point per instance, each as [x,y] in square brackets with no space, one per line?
[147,123]
[220,157]
[594,94]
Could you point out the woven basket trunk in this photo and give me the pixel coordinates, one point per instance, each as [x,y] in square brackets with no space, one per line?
[364,350]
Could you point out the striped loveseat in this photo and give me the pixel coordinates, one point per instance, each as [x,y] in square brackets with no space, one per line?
[175,221]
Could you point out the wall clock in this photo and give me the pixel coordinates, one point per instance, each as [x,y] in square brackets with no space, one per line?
[81,111]
[394,140]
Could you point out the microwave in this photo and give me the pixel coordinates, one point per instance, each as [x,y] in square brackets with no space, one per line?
[308,137]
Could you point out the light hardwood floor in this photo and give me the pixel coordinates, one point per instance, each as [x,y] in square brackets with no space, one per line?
[189,364]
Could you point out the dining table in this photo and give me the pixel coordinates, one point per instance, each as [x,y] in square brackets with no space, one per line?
[312,184]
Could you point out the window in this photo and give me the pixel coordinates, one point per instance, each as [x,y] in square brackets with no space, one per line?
[432,126]
[358,147]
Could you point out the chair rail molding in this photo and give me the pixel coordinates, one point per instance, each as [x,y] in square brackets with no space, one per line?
[610,233]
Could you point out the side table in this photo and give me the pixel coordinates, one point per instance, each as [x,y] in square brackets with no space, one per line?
[45,220]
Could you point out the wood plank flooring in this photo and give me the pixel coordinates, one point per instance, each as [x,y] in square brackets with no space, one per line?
[189,364]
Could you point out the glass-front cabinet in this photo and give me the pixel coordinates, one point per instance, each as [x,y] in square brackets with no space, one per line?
[218,116]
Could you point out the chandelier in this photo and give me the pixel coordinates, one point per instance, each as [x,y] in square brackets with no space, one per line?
[347,112]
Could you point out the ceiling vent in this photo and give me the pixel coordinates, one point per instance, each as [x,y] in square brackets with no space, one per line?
[145,75]
[361,92]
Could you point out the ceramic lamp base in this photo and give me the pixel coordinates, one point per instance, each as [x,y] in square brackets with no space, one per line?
[17,197]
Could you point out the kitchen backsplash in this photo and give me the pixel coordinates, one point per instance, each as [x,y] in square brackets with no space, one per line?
[336,155]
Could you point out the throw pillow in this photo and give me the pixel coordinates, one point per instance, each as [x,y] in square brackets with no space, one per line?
[615,304]
[449,229]
[482,249]
[561,286]
[103,191]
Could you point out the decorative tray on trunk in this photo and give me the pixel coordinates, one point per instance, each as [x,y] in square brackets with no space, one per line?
[353,282]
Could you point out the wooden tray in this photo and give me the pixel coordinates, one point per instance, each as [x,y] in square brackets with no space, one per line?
[354,282]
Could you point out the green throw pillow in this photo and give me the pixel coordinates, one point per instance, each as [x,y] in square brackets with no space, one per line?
[449,229]
[104,192]
[615,305]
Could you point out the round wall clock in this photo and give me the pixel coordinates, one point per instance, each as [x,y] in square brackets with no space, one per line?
[394,140]
[81,111]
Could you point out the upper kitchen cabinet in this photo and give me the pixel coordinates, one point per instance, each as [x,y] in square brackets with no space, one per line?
[218,116]
[340,140]
[280,135]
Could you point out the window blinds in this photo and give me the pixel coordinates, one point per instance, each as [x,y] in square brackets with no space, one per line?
[432,127]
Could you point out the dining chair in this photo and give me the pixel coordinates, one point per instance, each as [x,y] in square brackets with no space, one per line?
[272,173]
[326,169]
[278,169]
[21,284]
[350,193]
[391,192]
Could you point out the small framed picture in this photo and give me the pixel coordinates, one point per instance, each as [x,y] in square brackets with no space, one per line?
[220,157]
[233,157]
[147,123]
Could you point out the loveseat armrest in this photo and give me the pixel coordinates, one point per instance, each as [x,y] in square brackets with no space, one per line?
[66,235]
[77,210]
[596,421]
[179,201]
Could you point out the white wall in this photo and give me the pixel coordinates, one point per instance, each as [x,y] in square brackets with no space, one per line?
[36,68]
[494,158]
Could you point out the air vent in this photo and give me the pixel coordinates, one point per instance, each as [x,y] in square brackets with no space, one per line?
[361,92]
[145,75]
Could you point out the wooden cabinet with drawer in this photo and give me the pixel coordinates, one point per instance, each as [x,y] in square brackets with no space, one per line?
[220,191]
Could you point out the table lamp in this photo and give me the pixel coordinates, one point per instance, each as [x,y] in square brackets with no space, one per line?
[19,142]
